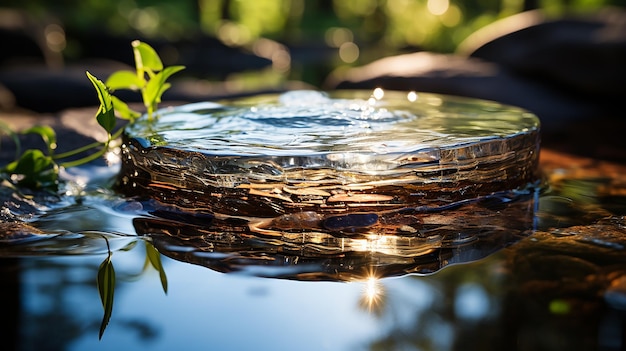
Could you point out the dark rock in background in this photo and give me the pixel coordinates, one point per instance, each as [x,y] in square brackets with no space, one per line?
[471,77]
[570,72]
[202,56]
[584,56]
[22,39]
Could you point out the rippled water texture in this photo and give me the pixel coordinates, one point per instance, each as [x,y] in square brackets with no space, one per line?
[308,123]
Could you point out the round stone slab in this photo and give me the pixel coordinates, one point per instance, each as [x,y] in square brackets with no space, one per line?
[329,153]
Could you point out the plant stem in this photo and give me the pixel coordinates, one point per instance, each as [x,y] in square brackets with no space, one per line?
[104,145]
[77,151]
[85,159]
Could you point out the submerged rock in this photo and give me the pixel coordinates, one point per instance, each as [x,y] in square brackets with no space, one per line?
[18,232]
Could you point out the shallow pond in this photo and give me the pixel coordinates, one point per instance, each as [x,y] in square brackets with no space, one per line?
[554,277]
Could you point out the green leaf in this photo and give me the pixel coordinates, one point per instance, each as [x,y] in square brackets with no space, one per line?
[146,58]
[106,119]
[32,161]
[164,87]
[123,110]
[37,170]
[155,87]
[106,289]
[106,114]
[124,80]
[47,134]
[155,259]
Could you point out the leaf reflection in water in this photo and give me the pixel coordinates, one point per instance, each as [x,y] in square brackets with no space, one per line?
[106,280]
[106,288]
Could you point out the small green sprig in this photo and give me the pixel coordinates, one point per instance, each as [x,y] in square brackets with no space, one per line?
[150,78]
[36,169]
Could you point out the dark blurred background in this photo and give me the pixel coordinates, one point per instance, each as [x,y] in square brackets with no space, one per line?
[259,44]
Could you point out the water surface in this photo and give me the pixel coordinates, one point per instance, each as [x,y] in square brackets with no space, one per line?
[553,278]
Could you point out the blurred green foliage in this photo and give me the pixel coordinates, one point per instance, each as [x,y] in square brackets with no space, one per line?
[437,25]
[321,35]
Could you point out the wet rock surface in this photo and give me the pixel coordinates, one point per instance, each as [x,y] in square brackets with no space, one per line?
[15,232]
[562,282]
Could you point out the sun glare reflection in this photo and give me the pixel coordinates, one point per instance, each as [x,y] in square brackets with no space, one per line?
[372,299]
[114,155]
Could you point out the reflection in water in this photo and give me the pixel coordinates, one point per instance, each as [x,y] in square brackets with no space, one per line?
[57,302]
[541,271]
[373,298]
[470,231]
[560,288]
[555,290]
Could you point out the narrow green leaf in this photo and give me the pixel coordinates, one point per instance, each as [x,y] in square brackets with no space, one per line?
[154,88]
[123,110]
[164,87]
[106,288]
[155,259]
[47,134]
[103,94]
[124,80]
[106,114]
[146,58]
[106,119]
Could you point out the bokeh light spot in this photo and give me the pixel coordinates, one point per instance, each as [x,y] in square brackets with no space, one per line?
[349,52]
[438,7]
